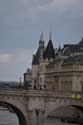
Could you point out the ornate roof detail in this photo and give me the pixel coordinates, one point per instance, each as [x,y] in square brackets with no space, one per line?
[59,47]
[41,41]
[41,37]
[59,51]
[50,36]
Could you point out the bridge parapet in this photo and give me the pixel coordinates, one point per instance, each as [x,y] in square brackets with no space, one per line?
[41,93]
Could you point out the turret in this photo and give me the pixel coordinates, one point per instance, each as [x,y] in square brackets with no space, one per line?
[41,47]
[38,57]
[41,41]
[27,78]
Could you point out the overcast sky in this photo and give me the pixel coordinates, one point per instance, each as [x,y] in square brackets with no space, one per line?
[22,21]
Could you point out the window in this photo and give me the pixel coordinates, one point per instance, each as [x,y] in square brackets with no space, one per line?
[35,81]
[41,68]
[82,85]
[40,80]
[56,85]
[66,85]
[29,83]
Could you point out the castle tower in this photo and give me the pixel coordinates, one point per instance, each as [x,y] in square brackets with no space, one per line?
[37,59]
[48,54]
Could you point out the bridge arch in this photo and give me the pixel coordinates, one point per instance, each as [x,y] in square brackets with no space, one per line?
[67,113]
[21,117]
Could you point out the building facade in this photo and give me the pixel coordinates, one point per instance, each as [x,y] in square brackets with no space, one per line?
[57,69]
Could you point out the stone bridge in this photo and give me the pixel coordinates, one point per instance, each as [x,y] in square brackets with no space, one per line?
[34,107]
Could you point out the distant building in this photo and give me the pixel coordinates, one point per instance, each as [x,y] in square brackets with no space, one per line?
[56,69]
[27,78]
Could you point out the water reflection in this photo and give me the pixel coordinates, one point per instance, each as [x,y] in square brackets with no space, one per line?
[7,117]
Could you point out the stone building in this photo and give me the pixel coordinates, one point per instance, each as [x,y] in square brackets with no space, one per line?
[57,69]
[27,78]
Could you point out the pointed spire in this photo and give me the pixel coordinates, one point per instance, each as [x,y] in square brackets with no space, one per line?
[41,37]
[49,52]
[59,47]
[50,36]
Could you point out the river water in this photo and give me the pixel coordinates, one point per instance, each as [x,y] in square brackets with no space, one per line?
[8,118]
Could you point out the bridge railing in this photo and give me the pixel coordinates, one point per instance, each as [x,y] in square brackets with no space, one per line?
[42,92]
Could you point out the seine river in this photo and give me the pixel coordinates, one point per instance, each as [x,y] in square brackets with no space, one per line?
[8,118]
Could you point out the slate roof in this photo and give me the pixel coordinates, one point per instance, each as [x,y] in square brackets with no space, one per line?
[68,60]
[36,57]
[73,59]
[72,49]
[49,52]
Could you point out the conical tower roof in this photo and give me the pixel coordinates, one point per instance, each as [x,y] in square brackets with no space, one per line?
[49,52]
[36,58]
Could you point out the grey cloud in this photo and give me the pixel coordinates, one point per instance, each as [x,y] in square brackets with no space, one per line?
[21,22]
[19,17]
[12,70]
